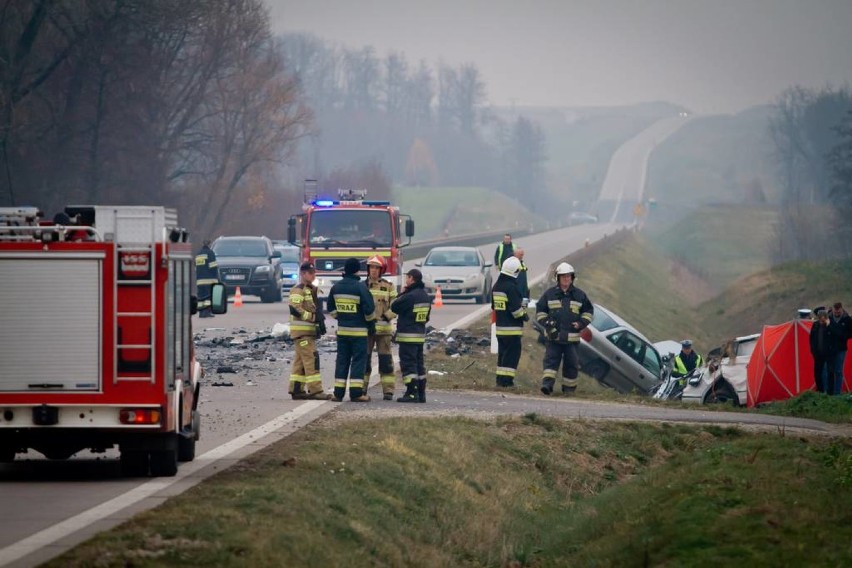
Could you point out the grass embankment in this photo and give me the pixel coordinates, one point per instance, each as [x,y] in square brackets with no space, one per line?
[523,491]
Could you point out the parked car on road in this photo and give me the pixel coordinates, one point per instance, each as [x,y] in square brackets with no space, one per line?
[724,377]
[291,259]
[250,263]
[461,272]
[619,356]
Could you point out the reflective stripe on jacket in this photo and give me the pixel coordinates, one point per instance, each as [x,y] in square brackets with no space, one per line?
[384,293]
[507,304]
[351,304]
[412,308]
[566,307]
[303,301]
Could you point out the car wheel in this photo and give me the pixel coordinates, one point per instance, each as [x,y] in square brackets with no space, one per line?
[279,295]
[721,393]
[596,369]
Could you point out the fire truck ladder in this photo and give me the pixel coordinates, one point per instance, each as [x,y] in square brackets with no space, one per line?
[136,268]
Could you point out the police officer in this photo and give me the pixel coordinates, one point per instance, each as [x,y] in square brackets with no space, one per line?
[384,292]
[564,310]
[686,360]
[206,274]
[351,304]
[508,305]
[412,308]
[306,324]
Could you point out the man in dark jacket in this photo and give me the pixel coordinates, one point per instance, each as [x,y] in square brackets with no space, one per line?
[206,274]
[412,308]
[351,304]
[823,345]
[522,280]
[508,306]
[841,323]
[563,311]
[504,251]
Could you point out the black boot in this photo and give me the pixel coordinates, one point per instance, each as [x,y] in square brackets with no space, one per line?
[411,394]
[547,386]
[298,393]
[421,390]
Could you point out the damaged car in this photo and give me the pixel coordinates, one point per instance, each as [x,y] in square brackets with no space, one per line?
[724,378]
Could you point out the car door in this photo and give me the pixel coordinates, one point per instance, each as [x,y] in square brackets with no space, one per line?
[630,359]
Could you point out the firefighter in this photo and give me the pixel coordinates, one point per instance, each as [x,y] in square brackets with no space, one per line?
[384,292]
[206,274]
[306,324]
[351,304]
[508,305]
[563,310]
[412,308]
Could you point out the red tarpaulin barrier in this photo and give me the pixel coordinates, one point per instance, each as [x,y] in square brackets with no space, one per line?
[781,365]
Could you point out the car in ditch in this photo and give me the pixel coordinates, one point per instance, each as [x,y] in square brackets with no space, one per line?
[723,379]
[461,272]
[291,259]
[250,264]
[618,356]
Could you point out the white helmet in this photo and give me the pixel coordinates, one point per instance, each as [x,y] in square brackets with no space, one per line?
[564,268]
[511,267]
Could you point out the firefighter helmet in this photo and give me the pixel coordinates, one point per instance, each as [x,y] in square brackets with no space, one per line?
[376,260]
[564,268]
[511,267]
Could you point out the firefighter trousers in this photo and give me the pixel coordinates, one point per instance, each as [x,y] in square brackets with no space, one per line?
[351,362]
[382,345]
[411,362]
[566,354]
[508,356]
[204,295]
[305,375]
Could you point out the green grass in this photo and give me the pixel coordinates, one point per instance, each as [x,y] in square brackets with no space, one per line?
[522,491]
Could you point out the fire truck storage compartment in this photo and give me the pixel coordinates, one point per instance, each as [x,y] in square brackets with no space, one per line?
[51,336]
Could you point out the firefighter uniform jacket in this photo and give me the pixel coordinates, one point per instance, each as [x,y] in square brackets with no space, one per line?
[506,303]
[384,293]
[206,267]
[412,308]
[565,308]
[303,311]
[351,304]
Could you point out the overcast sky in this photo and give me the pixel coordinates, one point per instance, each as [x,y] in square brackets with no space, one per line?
[712,56]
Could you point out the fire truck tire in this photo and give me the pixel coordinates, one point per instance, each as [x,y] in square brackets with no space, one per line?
[186,448]
[164,463]
[134,463]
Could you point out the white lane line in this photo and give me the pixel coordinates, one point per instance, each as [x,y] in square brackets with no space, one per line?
[71,525]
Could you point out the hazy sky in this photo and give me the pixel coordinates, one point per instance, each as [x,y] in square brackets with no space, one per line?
[709,55]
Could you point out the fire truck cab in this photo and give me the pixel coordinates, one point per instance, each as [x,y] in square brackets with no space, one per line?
[96,339]
[331,230]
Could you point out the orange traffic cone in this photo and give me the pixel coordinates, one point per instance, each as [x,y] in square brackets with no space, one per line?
[439,301]
[238,298]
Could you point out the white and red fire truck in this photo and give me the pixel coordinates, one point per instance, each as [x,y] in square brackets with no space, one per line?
[332,230]
[96,339]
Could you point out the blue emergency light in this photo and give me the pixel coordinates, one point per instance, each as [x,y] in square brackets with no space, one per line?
[325,202]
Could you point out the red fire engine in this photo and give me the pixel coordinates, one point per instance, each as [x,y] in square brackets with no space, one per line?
[96,339]
[330,231]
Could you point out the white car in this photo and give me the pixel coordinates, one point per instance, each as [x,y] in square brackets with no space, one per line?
[724,377]
[461,272]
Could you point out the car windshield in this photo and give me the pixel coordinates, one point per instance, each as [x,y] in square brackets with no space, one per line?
[289,254]
[452,258]
[237,247]
[351,227]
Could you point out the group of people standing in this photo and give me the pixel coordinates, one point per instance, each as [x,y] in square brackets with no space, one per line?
[364,311]
[829,337]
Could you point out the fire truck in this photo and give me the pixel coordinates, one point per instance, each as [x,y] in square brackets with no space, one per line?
[96,338]
[331,230]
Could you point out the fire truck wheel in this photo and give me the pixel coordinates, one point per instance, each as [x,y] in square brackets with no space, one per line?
[186,448]
[164,463]
[134,463]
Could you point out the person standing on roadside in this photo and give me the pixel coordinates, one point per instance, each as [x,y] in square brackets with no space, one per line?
[822,344]
[841,323]
[384,292]
[687,360]
[412,309]
[504,251]
[522,280]
[510,315]
[306,324]
[564,310]
[206,274]
[351,304]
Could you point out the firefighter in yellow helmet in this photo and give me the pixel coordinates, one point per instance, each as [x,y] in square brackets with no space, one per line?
[306,324]
[383,292]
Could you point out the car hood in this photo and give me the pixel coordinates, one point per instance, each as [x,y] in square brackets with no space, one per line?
[449,271]
[241,261]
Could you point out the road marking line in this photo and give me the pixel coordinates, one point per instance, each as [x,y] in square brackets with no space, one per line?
[60,530]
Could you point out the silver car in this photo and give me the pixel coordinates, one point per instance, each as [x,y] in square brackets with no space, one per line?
[291,260]
[619,356]
[461,272]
